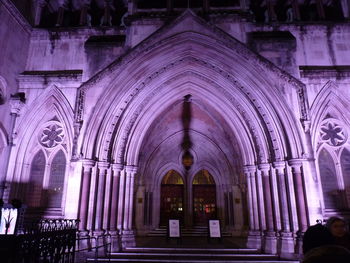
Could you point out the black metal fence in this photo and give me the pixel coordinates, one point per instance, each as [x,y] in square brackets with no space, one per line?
[46,241]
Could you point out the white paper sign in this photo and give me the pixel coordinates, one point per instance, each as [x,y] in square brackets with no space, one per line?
[174,228]
[8,221]
[214,228]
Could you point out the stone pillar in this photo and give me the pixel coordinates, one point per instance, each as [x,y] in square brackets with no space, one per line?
[39,5]
[300,200]
[254,237]
[250,199]
[113,230]
[345,4]
[85,195]
[100,198]
[128,236]
[120,214]
[299,193]
[270,234]
[286,236]
[60,16]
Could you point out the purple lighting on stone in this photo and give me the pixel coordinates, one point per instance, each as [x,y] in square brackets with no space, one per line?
[128,114]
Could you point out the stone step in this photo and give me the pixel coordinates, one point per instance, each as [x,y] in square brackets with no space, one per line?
[196,256]
[190,255]
[192,250]
[103,260]
[187,232]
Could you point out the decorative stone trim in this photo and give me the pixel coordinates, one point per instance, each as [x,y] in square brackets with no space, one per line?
[51,135]
[333,132]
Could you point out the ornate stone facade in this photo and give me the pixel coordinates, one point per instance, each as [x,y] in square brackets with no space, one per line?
[95,111]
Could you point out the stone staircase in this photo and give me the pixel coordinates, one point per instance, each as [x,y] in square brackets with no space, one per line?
[196,231]
[191,255]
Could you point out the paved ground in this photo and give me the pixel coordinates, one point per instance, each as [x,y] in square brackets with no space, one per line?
[185,242]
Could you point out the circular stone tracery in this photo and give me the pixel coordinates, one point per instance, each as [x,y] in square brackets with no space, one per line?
[51,135]
[333,133]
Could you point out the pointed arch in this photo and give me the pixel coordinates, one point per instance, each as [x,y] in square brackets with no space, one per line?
[56,180]
[328,104]
[272,126]
[48,109]
[34,193]
[332,197]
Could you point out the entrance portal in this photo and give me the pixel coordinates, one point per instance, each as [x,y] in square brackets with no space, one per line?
[204,198]
[172,193]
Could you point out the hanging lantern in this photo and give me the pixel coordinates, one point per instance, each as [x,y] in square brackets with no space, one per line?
[187,160]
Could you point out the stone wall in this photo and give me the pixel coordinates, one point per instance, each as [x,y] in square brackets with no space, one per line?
[14,44]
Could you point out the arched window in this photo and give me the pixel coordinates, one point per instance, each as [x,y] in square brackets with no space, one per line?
[56,180]
[35,187]
[331,195]
[203,177]
[45,188]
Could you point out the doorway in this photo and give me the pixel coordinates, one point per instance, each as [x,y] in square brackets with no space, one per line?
[171,197]
[204,198]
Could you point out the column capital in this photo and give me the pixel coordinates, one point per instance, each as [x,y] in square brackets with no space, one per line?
[117,166]
[249,169]
[131,169]
[264,167]
[103,165]
[87,163]
[279,165]
[295,163]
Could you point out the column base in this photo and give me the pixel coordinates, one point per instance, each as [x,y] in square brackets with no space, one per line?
[270,244]
[287,245]
[299,243]
[84,240]
[128,239]
[254,240]
[115,241]
[97,233]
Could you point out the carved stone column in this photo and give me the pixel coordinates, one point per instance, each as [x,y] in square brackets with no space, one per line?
[39,5]
[270,234]
[299,193]
[60,16]
[100,197]
[128,237]
[254,237]
[299,199]
[286,237]
[85,195]
[114,211]
[250,199]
